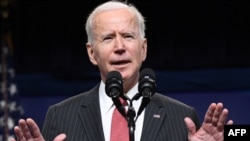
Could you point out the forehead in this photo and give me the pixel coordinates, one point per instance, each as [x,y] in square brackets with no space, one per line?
[115,18]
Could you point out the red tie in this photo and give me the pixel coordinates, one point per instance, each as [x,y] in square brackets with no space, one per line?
[119,126]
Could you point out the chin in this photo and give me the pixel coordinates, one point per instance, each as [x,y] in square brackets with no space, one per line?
[124,74]
[127,75]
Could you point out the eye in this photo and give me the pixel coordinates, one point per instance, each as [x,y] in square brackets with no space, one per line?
[128,36]
[107,38]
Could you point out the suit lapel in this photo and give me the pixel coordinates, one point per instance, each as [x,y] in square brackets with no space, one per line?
[153,119]
[91,117]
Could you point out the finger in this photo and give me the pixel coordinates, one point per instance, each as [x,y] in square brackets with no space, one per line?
[222,120]
[190,126]
[24,130]
[230,122]
[12,139]
[218,115]
[209,114]
[60,137]
[34,129]
[19,134]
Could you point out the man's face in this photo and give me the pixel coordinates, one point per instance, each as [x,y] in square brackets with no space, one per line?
[117,44]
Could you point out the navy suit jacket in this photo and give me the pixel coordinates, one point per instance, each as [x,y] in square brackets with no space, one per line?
[80,119]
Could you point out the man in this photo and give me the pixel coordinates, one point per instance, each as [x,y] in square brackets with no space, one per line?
[116,42]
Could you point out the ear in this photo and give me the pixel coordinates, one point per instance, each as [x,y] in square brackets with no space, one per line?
[144,49]
[91,53]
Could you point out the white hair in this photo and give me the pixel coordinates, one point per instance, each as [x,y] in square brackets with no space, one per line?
[113,5]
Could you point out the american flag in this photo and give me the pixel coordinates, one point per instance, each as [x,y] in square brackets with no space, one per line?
[10,109]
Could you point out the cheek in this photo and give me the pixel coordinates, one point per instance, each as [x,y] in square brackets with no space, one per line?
[137,56]
[101,56]
[140,55]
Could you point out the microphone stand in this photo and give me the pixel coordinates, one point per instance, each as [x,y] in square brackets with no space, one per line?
[131,121]
[131,116]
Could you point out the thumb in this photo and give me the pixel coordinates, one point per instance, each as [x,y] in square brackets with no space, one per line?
[190,126]
[60,137]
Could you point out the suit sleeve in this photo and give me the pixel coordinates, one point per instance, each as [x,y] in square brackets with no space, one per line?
[195,118]
[49,130]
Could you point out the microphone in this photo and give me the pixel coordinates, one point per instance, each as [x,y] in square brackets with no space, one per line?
[147,85]
[114,89]
[114,85]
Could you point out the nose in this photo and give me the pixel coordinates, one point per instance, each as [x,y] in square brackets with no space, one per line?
[119,45]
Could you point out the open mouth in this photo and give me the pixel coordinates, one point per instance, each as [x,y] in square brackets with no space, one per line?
[120,63]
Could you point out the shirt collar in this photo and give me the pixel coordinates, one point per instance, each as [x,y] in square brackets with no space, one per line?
[106,102]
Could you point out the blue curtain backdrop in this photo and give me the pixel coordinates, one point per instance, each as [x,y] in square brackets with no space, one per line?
[197,88]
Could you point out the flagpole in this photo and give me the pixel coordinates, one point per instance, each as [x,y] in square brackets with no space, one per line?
[4,31]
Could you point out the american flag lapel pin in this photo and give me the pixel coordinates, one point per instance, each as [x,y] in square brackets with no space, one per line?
[157,116]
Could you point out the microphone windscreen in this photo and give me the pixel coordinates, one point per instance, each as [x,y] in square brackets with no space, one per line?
[147,84]
[113,84]
[113,74]
[147,72]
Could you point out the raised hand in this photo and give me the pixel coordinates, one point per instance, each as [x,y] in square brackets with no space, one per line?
[212,128]
[27,130]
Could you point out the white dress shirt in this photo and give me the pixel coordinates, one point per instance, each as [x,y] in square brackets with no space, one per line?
[107,108]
